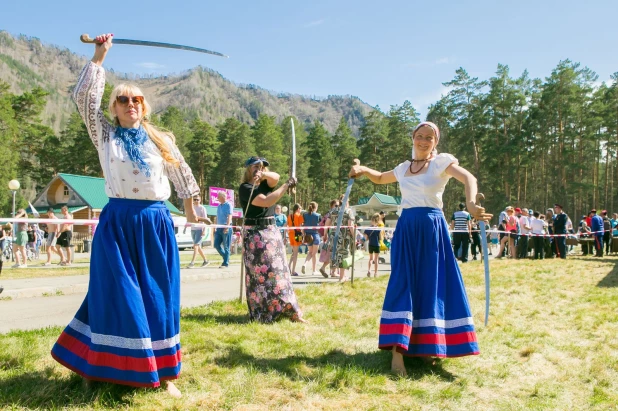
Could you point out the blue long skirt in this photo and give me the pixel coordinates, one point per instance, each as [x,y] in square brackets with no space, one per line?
[127,329]
[425,311]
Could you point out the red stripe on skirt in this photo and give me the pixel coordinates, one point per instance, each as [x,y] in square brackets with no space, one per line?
[403,329]
[443,339]
[125,363]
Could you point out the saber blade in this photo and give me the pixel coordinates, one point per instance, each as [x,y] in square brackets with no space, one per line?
[293,149]
[85,38]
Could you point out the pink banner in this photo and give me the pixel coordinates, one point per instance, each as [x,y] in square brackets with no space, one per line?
[213,193]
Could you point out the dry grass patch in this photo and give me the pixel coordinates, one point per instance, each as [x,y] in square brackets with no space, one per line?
[550,344]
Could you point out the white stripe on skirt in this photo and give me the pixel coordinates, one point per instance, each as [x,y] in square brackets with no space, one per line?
[122,342]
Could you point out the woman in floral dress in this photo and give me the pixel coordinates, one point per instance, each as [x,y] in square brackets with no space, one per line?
[270,294]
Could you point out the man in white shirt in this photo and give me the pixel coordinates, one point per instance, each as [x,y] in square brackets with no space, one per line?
[524,226]
[539,228]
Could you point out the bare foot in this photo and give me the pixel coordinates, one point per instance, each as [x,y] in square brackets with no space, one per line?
[172,390]
[397,365]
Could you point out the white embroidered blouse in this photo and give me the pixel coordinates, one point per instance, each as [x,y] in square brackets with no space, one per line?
[122,178]
[424,190]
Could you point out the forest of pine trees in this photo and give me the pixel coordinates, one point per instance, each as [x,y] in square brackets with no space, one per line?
[530,142]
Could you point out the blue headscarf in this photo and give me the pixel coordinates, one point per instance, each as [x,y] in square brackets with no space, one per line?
[133,140]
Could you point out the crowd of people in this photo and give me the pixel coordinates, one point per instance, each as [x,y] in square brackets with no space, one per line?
[524,233]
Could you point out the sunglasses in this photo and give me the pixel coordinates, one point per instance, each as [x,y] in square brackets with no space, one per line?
[124,100]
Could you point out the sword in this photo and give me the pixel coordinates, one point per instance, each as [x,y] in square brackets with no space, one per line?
[85,38]
[480,197]
[293,190]
[346,196]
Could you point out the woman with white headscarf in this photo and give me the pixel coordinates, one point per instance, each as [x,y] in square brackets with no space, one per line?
[425,311]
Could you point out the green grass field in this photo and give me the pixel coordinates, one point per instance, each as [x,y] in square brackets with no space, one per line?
[551,343]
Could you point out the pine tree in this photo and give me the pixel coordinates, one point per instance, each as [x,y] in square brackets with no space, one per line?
[203,153]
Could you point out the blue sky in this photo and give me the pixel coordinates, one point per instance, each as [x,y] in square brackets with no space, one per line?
[383,52]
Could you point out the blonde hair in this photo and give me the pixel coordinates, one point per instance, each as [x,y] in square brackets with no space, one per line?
[375,218]
[156,134]
[313,207]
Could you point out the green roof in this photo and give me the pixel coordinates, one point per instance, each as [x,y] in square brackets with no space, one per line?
[382,198]
[92,191]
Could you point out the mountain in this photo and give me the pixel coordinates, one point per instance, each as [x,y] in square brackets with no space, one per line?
[26,62]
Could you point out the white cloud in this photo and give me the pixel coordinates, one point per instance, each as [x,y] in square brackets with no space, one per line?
[314,23]
[150,65]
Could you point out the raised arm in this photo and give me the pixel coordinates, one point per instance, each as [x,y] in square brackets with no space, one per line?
[271,199]
[469,181]
[375,176]
[89,91]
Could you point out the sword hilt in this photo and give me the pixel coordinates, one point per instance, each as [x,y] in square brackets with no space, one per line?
[85,38]
[480,197]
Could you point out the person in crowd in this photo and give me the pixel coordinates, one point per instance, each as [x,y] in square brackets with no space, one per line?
[584,235]
[198,231]
[65,237]
[281,221]
[32,239]
[373,237]
[494,237]
[510,226]
[475,240]
[524,228]
[538,229]
[550,245]
[311,219]
[328,219]
[295,219]
[127,330]
[560,230]
[461,225]
[531,243]
[223,235]
[345,244]
[425,293]
[607,232]
[53,231]
[598,231]
[270,295]
[21,239]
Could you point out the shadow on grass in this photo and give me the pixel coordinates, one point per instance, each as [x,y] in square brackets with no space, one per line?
[611,279]
[42,390]
[218,318]
[373,363]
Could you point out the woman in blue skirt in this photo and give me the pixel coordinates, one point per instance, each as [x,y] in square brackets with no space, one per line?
[127,330]
[425,311]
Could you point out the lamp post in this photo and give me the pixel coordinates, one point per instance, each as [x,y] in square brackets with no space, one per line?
[13,186]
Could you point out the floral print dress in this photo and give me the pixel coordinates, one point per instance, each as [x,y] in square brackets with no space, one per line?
[270,294]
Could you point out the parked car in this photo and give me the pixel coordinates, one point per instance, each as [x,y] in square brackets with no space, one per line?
[182,231]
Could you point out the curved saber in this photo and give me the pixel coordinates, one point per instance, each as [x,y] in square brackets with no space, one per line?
[480,197]
[340,216]
[85,38]
[293,149]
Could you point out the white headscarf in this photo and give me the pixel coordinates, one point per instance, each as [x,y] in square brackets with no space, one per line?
[434,128]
